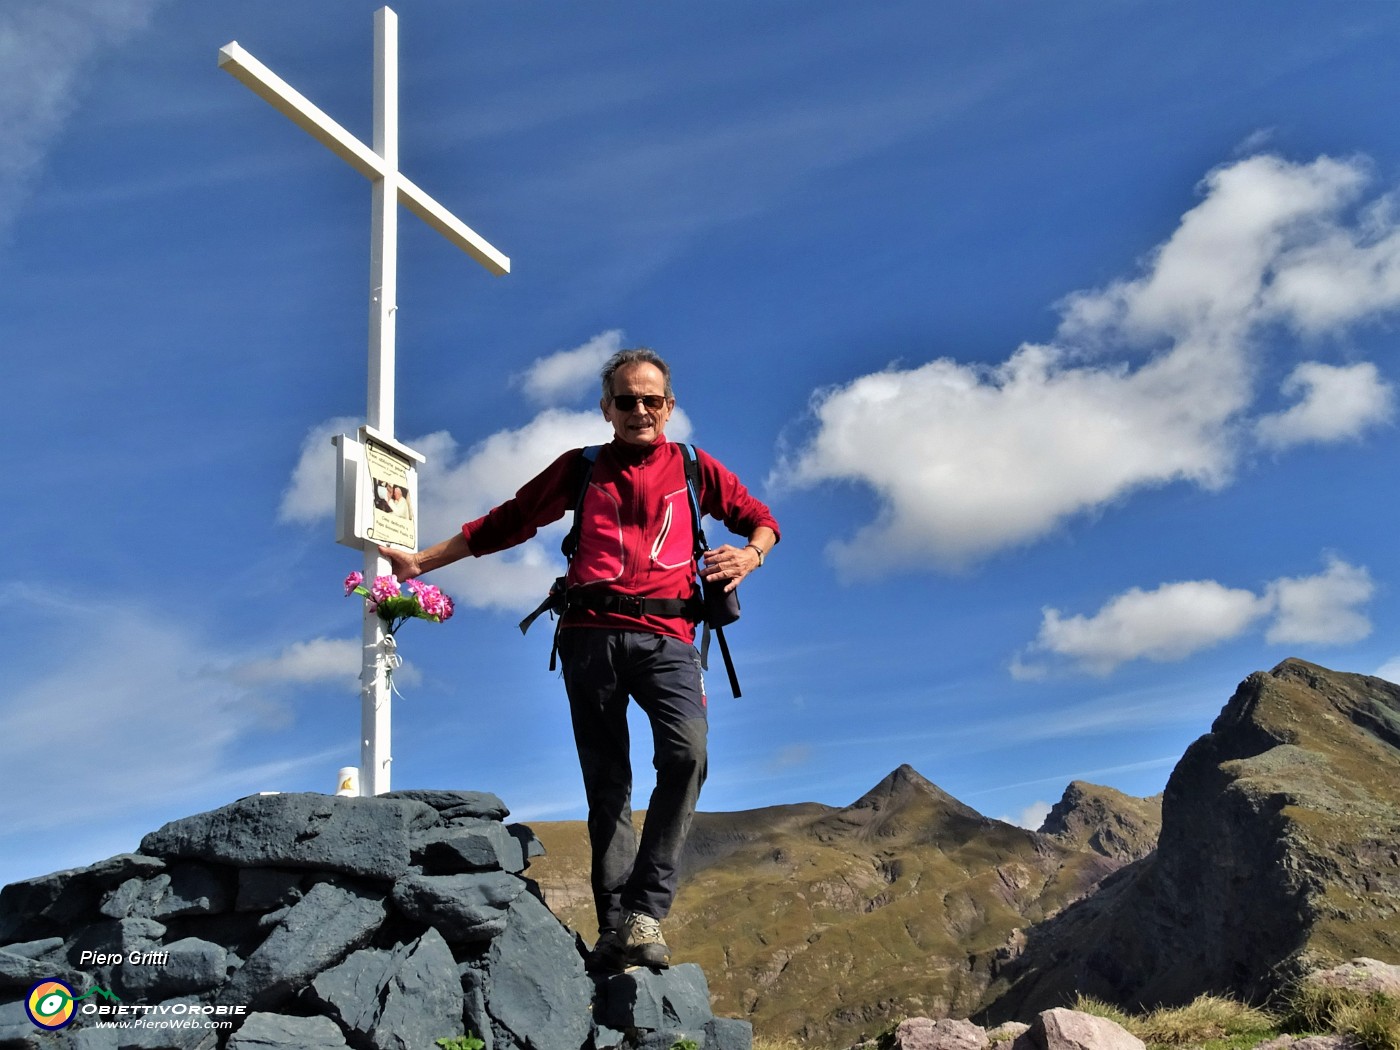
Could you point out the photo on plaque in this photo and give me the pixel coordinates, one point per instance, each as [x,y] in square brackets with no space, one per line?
[393,487]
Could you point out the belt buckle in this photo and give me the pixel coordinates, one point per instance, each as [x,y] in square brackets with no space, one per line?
[630,605]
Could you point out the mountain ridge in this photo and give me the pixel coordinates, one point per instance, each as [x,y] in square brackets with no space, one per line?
[789,905]
[1276,853]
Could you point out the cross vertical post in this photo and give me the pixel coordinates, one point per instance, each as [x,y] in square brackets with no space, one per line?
[390,188]
[376,695]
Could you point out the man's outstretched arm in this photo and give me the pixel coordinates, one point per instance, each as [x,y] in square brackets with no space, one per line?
[411,564]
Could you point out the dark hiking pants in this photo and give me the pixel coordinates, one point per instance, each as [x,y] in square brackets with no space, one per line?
[602,668]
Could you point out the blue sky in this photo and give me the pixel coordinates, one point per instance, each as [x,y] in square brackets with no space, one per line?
[1060,339]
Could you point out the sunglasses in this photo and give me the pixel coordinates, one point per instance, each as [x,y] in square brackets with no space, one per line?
[628,402]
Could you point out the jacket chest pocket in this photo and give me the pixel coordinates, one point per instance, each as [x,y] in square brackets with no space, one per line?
[674,543]
[600,557]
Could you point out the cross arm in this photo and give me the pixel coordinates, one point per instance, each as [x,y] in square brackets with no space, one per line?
[451,227]
[301,110]
[305,113]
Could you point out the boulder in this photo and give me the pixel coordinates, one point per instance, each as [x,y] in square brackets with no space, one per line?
[263,1031]
[469,908]
[319,931]
[1361,976]
[50,904]
[454,805]
[190,966]
[538,988]
[1062,1029]
[357,836]
[394,1000]
[468,845]
[674,1001]
[923,1033]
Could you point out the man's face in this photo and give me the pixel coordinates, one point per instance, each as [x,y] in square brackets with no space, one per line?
[638,425]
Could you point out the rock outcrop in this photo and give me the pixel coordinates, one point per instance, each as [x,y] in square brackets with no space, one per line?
[1108,822]
[1279,853]
[311,921]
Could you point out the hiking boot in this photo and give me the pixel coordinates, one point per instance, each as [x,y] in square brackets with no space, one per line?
[609,955]
[642,940]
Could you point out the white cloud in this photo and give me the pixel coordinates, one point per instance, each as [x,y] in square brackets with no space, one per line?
[1322,609]
[44,51]
[1335,403]
[1175,620]
[310,493]
[1390,670]
[567,375]
[1030,818]
[1165,624]
[334,660]
[1149,381]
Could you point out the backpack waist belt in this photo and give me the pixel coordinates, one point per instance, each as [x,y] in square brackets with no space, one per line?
[632,605]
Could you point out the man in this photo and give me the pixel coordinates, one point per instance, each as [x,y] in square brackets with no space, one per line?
[627,631]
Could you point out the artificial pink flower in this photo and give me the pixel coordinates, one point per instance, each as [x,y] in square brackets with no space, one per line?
[433,601]
[352,581]
[385,587]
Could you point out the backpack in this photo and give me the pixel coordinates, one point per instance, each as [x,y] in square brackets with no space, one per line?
[715,609]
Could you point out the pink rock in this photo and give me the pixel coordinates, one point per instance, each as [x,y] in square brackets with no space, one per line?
[1363,976]
[923,1033]
[1062,1029]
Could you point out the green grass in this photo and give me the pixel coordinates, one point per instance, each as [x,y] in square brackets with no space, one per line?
[1209,1022]
[1371,1019]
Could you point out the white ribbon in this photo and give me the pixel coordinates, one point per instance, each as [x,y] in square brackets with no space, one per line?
[386,660]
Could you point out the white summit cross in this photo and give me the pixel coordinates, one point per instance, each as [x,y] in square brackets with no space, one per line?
[380,165]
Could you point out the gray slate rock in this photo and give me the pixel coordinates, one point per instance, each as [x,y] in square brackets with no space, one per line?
[395,1000]
[474,979]
[25,964]
[51,904]
[656,1000]
[728,1033]
[192,965]
[320,930]
[358,836]
[17,1031]
[267,889]
[466,909]
[454,805]
[538,987]
[19,973]
[530,845]
[186,889]
[115,938]
[262,1031]
[468,845]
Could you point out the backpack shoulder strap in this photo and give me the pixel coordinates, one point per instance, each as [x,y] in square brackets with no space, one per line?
[692,485]
[588,457]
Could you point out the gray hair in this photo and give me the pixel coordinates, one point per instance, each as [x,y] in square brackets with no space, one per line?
[642,355]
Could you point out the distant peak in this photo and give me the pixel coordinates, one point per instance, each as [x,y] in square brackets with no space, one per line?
[904,785]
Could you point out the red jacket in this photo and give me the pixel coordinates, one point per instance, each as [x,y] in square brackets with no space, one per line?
[636,535]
